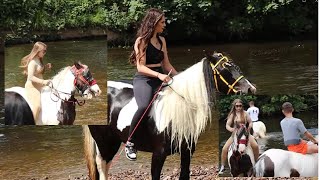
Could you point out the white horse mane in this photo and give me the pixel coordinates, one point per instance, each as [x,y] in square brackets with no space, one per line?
[185,106]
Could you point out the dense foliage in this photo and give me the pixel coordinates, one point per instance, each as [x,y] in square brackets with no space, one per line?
[270,105]
[197,20]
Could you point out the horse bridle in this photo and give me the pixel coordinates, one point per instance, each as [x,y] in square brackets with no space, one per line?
[242,141]
[224,60]
[78,74]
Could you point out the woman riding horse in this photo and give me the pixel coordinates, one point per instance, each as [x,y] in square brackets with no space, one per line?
[175,121]
[236,117]
[150,56]
[34,68]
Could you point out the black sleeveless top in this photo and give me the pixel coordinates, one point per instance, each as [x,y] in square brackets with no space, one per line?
[154,55]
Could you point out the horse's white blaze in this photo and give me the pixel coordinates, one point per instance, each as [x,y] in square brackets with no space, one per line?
[284,161]
[246,149]
[126,114]
[259,129]
[95,89]
[119,85]
[251,86]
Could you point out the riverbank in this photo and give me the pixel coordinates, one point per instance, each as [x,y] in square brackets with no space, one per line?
[197,173]
[69,34]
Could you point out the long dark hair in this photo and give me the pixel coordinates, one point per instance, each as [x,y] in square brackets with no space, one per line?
[146,31]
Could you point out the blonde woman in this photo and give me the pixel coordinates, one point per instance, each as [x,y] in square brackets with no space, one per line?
[34,68]
[237,115]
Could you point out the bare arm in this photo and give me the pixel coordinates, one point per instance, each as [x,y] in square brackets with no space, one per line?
[228,124]
[310,137]
[166,63]
[32,66]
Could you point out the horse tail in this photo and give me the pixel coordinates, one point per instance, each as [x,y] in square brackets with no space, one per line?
[90,152]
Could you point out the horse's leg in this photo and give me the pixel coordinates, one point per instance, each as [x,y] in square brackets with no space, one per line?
[102,166]
[186,155]
[106,145]
[158,158]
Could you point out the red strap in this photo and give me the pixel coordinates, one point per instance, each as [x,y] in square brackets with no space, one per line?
[242,141]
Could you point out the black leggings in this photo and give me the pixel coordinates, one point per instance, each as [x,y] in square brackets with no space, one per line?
[144,88]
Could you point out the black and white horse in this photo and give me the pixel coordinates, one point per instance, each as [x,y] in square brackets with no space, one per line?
[57,100]
[174,122]
[283,163]
[240,154]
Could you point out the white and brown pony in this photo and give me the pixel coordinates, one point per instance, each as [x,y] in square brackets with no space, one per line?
[283,163]
[174,122]
[240,154]
[57,99]
[259,129]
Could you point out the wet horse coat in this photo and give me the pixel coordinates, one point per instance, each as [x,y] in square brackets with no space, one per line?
[282,163]
[173,124]
[58,102]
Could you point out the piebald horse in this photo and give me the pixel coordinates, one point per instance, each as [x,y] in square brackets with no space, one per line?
[240,154]
[57,99]
[259,129]
[283,163]
[173,124]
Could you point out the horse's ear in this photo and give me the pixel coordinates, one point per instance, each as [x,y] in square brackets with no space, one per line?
[77,65]
[206,53]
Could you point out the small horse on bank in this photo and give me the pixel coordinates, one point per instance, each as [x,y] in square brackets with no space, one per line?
[259,129]
[283,163]
[174,122]
[240,154]
[57,100]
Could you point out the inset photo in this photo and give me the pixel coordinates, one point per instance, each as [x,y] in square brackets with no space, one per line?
[51,83]
[268,136]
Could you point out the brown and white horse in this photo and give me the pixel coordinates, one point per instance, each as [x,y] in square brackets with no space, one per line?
[283,163]
[240,154]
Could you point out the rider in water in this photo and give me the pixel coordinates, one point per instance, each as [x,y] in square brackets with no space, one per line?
[292,128]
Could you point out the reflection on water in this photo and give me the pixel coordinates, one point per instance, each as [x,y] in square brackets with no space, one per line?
[56,152]
[62,54]
[275,68]
[44,151]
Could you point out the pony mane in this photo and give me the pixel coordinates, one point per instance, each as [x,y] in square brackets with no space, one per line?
[58,76]
[57,79]
[186,105]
